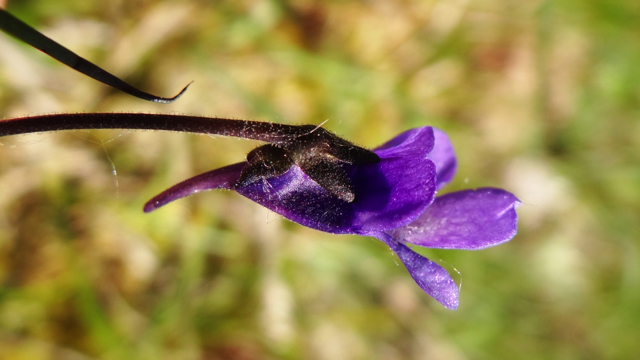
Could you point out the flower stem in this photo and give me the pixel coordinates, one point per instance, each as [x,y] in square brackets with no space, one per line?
[255,130]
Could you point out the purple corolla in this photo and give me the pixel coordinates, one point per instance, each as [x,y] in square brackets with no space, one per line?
[394,201]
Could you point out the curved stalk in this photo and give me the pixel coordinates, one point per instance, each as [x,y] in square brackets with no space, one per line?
[254,130]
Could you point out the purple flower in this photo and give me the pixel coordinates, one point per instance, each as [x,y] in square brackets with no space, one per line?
[321,181]
[394,202]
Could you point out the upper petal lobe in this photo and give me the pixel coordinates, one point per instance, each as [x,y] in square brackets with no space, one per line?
[443,157]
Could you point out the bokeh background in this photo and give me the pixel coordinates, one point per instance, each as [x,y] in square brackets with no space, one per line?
[540,97]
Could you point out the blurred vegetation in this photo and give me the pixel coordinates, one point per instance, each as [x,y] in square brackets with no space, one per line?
[539,97]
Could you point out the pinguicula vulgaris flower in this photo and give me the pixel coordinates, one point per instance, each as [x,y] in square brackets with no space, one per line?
[321,181]
[314,178]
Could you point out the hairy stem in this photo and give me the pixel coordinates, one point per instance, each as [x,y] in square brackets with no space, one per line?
[255,130]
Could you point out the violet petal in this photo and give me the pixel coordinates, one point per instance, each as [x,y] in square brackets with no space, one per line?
[417,142]
[443,157]
[222,178]
[389,194]
[430,277]
[469,220]
[400,187]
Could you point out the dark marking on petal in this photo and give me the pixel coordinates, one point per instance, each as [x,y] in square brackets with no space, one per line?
[329,174]
[264,162]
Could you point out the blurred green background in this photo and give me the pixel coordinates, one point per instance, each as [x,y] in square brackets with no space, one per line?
[541,98]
